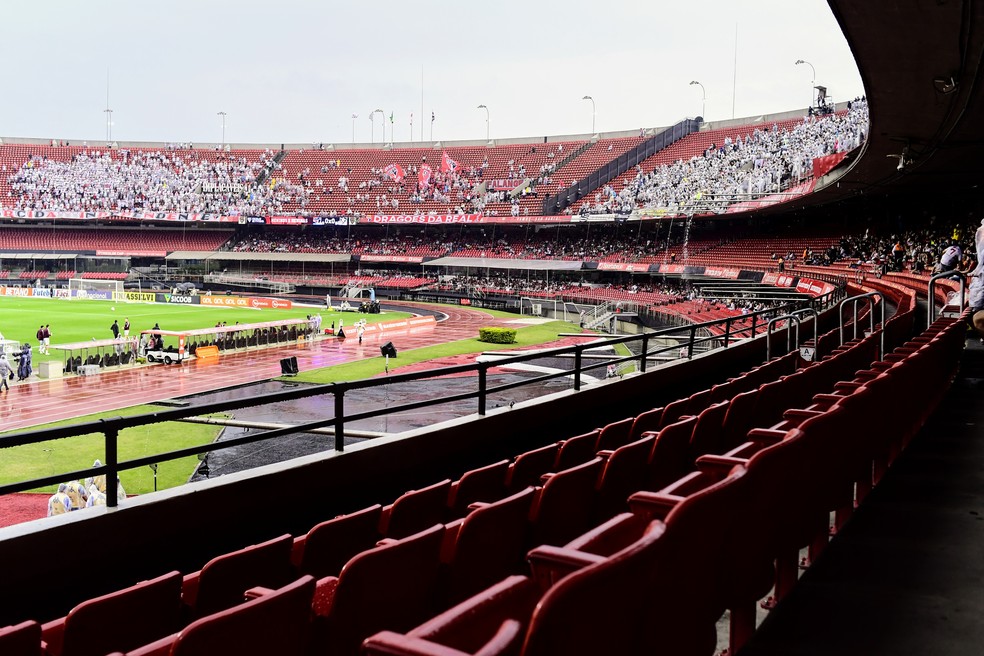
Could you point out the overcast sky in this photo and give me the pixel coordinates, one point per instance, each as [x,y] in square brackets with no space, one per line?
[294,72]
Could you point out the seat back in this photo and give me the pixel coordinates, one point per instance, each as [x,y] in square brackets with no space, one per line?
[224,578]
[624,473]
[125,619]
[577,450]
[276,623]
[22,639]
[645,422]
[393,586]
[491,545]
[706,437]
[615,434]
[528,467]
[670,458]
[331,544]
[739,418]
[416,510]
[486,483]
[564,507]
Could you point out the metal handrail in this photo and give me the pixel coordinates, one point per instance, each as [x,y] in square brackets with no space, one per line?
[871,317]
[930,291]
[816,334]
[768,332]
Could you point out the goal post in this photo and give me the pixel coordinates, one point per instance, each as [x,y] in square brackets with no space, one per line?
[95,288]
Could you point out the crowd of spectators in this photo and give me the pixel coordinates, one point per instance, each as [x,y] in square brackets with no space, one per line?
[764,162]
[167,180]
[601,244]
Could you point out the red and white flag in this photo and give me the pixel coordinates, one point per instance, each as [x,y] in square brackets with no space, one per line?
[394,172]
[424,175]
[448,164]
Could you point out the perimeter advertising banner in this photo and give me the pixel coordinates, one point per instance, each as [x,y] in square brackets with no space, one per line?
[238,301]
[44,292]
[179,299]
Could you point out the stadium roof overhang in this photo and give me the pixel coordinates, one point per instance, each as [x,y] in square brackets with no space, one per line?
[39,256]
[921,65]
[505,263]
[261,257]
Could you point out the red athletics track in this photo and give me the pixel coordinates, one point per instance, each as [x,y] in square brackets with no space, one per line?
[34,403]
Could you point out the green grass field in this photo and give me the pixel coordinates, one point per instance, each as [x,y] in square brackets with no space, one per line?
[46,458]
[80,321]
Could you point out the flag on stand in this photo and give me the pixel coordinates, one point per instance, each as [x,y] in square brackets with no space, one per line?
[448,164]
[424,176]
[394,172]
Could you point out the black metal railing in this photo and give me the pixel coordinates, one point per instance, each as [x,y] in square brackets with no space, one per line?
[719,333]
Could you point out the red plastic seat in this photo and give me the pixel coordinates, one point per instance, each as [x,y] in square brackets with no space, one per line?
[274,622]
[416,510]
[22,639]
[488,545]
[565,504]
[329,545]
[394,585]
[528,467]
[486,484]
[119,621]
[220,584]
[577,450]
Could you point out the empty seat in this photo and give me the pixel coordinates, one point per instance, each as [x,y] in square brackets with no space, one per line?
[220,584]
[22,639]
[577,450]
[416,510]
[119,621]
[394,586]
[486,483]
[528,467]
[565,504]
[488,545]
[331,544]
[274,622]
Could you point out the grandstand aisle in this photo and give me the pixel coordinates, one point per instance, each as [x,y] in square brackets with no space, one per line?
[905,575]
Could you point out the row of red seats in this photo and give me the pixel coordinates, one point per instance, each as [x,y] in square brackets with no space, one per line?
[718,538]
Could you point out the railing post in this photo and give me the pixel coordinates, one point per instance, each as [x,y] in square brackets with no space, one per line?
[339,420]
[482,386]
[112,460]
[577,368]
[645,352]
[690,346]
[727,331]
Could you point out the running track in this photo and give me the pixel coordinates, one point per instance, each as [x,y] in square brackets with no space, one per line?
[33,403]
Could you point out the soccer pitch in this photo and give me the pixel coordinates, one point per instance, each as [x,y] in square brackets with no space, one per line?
[74,321]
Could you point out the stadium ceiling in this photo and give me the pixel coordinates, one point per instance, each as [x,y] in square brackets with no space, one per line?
[920,62]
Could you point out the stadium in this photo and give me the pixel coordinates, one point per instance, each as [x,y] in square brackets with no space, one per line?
[697,388]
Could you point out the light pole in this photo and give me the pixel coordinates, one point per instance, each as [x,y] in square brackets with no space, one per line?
[592,112]
[813,81]
[383,114]
[354,116]
[703,104]
[223,115]
[486,120]
[109,125]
